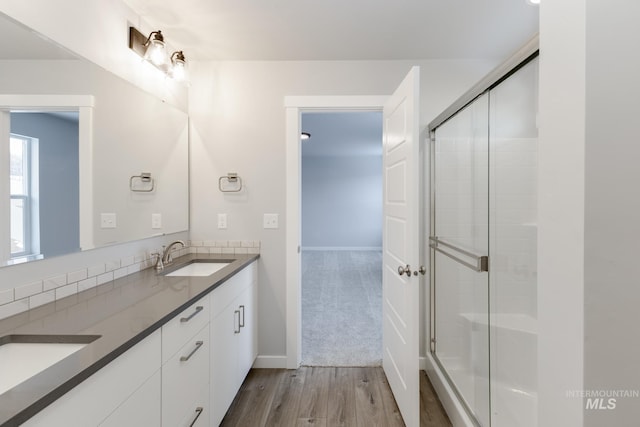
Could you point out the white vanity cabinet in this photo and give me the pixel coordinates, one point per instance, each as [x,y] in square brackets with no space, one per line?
[234,338]
[141,409]
[186,373]
[185,367]
[126,392]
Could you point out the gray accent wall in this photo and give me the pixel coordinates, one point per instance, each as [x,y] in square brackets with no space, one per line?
[58,181]
[342,180]
[342,202]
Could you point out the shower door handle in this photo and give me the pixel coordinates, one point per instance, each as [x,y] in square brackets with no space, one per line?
[481,261]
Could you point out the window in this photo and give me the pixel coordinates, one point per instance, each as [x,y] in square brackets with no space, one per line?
[20,177]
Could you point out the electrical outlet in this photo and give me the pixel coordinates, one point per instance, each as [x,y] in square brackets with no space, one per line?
[270,221]
[108,220]
[222,221]
[156,220]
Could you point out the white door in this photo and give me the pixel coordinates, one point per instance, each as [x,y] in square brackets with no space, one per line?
[401,246]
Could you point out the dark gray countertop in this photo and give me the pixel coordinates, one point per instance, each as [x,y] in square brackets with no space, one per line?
[123,312]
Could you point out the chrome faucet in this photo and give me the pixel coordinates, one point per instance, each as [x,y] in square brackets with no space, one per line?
[166,256]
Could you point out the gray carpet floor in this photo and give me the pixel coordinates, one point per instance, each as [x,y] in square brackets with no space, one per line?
[341,308]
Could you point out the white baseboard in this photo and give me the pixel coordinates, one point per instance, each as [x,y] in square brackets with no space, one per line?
[423,363]
[342,248]
[270,362]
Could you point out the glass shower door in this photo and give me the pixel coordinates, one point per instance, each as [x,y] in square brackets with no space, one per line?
[459,249]
[513,242]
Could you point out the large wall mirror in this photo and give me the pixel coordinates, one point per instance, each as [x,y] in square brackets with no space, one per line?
[87,159]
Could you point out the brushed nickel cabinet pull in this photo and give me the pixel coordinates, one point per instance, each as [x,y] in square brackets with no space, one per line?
[186,319]
[234,322]
[242,321]
[199,411]
[187,357]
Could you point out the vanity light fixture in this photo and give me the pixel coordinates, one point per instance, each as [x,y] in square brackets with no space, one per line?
[305,136]
[155,52]
[152,49]
[178,66]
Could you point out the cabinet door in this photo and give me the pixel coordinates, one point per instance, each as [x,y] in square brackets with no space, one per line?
[184,376]
[93,400]
[224,361]
[141,409]
[248,337]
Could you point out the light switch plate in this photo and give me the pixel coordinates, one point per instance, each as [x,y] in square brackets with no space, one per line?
[270,220]
[156,220]
[222,221]
[108,220]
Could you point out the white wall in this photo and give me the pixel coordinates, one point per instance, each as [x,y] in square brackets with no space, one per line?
[589,232]
[238,125]
[612,208]
[561,211]
[342,202]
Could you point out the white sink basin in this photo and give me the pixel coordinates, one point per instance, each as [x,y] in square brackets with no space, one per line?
[199,269]
[19,361]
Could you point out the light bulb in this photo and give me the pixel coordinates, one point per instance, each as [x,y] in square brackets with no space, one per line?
[155,52]
[178,66]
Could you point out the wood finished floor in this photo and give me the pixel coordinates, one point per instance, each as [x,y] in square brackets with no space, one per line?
[326,397]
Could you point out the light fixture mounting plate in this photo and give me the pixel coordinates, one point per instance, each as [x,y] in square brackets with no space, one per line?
[137,41]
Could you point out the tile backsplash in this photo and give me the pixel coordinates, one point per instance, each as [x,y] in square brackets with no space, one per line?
[31,295]
[224,247]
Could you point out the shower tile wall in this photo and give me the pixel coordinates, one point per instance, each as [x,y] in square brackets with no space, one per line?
[513,224]
[513,249]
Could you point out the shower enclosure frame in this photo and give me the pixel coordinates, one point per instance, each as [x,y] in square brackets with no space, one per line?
[454,402]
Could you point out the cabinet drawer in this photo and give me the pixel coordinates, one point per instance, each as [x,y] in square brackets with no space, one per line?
[183,327]
[184,377]
[224,295]
[198,414]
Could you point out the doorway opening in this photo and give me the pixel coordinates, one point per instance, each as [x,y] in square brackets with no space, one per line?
[400,241]
[341,238]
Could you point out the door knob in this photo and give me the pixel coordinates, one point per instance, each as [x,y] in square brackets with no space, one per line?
[422,270]
[404,270]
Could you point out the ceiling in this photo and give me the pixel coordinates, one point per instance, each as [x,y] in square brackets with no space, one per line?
[341,29]
[342,134]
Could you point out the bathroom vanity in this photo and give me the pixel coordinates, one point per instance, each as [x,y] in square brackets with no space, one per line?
[171,350]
